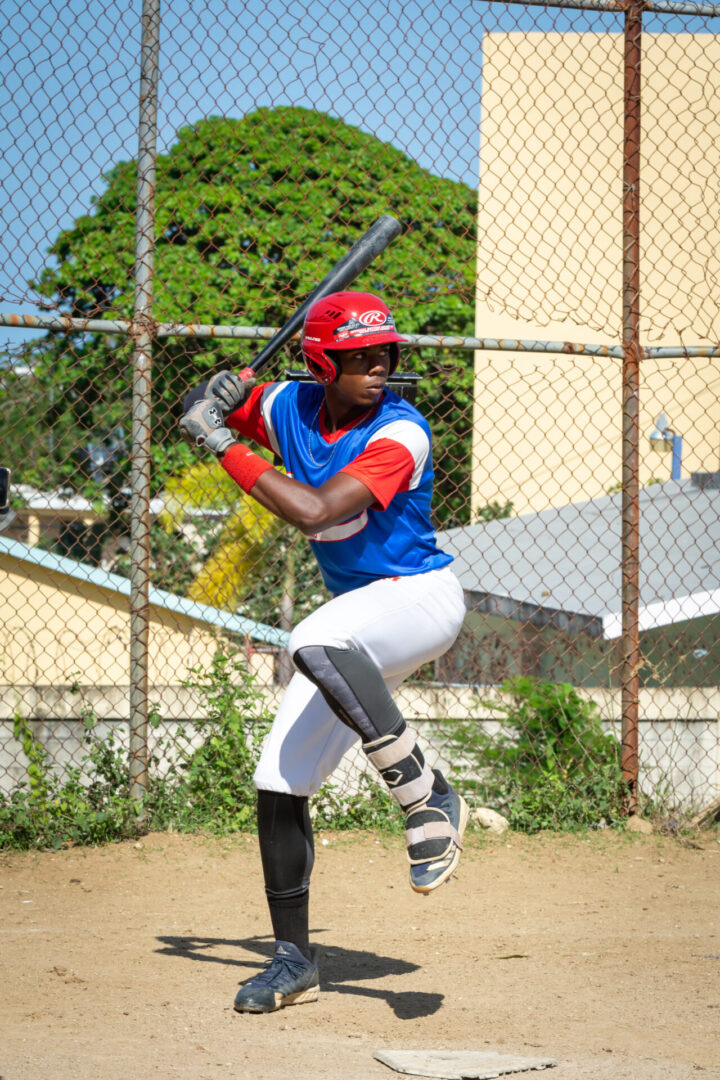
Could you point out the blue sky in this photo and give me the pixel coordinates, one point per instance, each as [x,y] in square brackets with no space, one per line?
[407,72]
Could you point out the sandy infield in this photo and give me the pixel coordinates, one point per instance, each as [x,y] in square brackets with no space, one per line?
[600,951]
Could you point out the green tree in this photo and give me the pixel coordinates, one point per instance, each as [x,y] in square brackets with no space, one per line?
[250,215]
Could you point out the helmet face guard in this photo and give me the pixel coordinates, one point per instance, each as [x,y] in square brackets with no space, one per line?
[346,320]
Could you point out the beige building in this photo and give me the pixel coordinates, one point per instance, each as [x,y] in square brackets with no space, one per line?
[67,624]
[547,427]
[65,656]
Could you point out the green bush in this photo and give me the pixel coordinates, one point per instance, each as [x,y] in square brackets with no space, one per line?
[89,804]
[210,786]
[550,767]
[201,780]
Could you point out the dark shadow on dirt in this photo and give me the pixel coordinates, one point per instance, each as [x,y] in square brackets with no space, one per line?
[340,968]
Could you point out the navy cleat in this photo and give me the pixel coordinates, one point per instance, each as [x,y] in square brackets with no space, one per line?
[288,979]
[434,832]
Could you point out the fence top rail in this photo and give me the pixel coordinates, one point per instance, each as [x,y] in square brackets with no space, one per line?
[662,7]
[65,324]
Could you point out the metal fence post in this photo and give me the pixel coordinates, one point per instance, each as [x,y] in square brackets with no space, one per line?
[630,403]
[142,335]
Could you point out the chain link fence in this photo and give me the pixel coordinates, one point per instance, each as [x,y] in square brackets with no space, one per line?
[173,186]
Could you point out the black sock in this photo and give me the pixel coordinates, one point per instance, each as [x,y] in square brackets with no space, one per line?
[286,848]
[289,916]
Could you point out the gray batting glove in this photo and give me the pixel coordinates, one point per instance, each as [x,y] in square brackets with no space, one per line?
[203,425]
[229,389]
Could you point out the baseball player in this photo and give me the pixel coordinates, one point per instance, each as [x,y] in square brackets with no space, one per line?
[358,483]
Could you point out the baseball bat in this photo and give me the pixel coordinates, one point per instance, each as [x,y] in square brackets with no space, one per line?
[350,266]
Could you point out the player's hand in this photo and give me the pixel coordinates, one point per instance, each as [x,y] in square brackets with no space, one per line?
[229,389]
[203,425]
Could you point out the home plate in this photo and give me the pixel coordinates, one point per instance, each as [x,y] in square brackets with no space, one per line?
[459,1064]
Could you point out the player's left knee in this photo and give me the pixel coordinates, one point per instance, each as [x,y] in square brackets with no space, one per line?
[353,687]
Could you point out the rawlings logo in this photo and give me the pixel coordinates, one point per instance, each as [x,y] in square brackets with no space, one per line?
[372,318]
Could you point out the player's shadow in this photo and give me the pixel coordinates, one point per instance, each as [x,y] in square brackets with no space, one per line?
[339,968]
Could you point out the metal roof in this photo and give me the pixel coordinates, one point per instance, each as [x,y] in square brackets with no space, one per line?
[236,624]
[562,566]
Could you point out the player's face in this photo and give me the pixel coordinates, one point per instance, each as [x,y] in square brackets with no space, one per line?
[362,374]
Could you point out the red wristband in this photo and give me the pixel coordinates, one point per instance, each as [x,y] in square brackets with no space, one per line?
[244,466]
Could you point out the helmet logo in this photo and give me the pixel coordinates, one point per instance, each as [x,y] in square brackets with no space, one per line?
[372,318]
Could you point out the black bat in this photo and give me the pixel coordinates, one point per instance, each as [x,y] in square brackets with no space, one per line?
[350,266]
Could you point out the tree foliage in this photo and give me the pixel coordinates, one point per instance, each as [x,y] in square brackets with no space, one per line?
[250,215]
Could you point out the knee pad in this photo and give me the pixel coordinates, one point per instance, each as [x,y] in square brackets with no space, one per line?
[353,688]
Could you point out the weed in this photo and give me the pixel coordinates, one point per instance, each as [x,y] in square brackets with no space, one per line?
[201,781]
[209,786]
[370,808]
[89,804]
[550,767]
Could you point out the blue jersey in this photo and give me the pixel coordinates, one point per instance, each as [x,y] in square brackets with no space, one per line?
[389,451]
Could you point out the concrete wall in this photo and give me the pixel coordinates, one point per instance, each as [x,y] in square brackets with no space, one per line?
[679,736]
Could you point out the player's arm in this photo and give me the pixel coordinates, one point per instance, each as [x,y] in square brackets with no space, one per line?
[310,509]
[384,468]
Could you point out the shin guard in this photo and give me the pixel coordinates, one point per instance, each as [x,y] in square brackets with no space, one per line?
[402,766]
[435,815]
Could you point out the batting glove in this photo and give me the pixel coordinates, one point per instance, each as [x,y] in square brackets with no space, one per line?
[204,425]
[229,389]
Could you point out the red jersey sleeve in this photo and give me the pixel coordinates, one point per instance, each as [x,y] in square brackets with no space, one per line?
[248,419]
[385,467]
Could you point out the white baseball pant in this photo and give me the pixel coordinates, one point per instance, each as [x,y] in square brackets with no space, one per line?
[400,623]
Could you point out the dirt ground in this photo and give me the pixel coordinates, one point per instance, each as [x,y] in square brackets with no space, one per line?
[602,952]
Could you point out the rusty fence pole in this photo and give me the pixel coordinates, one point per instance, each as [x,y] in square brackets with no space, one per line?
[630,673]
[142,337]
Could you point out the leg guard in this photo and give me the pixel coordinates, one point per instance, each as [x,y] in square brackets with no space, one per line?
[353,688]
[435,814]
[402,766]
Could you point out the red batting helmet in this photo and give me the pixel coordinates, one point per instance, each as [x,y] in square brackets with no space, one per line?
[346,320]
